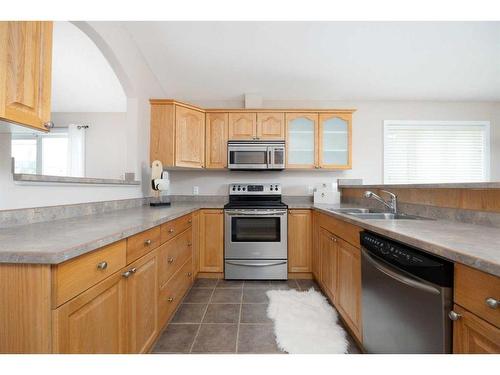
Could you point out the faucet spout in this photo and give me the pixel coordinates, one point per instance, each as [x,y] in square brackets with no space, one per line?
[392,204]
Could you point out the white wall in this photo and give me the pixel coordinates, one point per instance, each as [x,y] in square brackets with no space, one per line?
[105,141]
[139,84]
[367,144]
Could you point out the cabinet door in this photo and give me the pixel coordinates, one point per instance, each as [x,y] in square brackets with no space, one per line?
[271,125]
[196,243]
[216,140]
[242,126]
[211,241]
[349,285]
[301,140]
[473,335]
[189,138]
[93,322]
[142,303]
[25,72]
[299,240]
[316,243]
[328,250]
[335,141]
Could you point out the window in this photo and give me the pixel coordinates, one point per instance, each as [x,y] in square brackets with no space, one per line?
[436,151]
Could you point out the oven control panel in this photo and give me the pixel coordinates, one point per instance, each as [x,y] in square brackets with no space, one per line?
[255,189]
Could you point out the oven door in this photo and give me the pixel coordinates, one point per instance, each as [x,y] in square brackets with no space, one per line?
[248,157]
[256,234]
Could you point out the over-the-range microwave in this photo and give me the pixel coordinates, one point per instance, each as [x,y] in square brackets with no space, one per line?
[245,155]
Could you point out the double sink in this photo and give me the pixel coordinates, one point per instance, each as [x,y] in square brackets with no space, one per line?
[368,214]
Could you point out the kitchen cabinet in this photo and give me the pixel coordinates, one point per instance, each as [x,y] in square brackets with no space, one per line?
[142,303]
[316,255]
[329,263]
[242,126]
[177,134]
[349,285]
[270,126]
[196,243]
[211,239]
[301,140]
[473,335]
[299,240]
[217,129]
[335,141]
[94,321]
[25,73]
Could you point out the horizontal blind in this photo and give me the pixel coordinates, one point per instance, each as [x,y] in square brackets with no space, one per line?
[432,152]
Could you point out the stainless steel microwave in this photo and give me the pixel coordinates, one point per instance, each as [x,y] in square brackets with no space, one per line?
[256,155]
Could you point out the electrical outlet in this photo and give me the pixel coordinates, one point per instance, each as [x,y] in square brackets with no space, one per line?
[310,189]
[196,190]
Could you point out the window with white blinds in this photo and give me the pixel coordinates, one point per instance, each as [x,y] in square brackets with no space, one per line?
[436,151]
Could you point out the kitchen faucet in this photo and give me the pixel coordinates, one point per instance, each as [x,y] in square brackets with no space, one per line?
[392,205]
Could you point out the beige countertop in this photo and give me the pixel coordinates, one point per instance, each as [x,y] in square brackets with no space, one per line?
[54,242]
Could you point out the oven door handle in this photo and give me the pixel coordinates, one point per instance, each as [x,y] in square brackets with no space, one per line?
[236,263]
[266,213]
[410,281]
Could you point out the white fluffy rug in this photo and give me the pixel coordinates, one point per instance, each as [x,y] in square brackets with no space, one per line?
[304,323]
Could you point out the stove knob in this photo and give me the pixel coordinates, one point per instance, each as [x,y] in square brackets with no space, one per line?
[244,188]
[239,188]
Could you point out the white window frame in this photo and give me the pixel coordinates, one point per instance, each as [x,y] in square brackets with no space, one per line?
[483,124]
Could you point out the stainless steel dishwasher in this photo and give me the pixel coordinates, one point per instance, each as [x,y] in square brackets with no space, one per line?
[406,298]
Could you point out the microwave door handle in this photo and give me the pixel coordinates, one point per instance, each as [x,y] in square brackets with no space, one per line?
[269,162]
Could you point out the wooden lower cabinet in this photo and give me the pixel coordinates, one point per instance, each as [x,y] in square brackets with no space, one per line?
[299,241]
[316,254]
[211,237]
[94,321]
[473,335]
[142,303]
[349,285]
[328,259]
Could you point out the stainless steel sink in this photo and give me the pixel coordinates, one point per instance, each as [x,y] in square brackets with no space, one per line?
[351,210]
[385,216]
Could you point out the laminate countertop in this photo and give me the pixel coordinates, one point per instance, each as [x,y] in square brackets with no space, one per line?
[54,242]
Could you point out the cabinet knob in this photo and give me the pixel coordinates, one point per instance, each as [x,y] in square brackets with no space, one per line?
[454,315]
[147,242]
[102,265]
[189,244]
[129,273]
[333,239]
[491,303]
[171,230]
[189,274]
[48,125]
[170,299]
[170,260]
[190,221]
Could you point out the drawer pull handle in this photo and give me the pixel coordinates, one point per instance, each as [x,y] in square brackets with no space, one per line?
[189,244]
[147,242]
[102,266]
[492,303]
[170,260]
[333,239]
[129,273]
[454,315]
[189,274]
[171,230]
[171,299]
[190,221]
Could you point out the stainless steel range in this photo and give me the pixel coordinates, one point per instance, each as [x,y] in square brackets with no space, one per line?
[255,238]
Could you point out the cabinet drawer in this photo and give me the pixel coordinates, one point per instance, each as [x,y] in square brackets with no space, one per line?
[477,291]
[172,292]
[340,228]
[173,254]
[76,275]
[173,228]
[142,243]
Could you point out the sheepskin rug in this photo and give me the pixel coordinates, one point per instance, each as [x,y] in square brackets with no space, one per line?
[304,323]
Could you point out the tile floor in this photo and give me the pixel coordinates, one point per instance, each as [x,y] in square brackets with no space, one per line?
[222,316]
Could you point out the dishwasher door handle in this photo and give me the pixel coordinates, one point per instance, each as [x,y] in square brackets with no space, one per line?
[410,281]
[266,264]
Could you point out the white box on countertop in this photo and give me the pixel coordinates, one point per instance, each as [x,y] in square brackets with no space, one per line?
[327,193]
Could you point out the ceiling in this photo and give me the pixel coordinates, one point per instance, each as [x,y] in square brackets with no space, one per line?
[82,79]
[323,60]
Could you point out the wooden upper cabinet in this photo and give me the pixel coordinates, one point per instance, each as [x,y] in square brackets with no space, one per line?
[189,138]
[242,126]
[93,322]
[334,140]
[216,140]
[25,72]
[211,241]
[473,335]
[271,126]
[299,240]
[349,285]
[301,140]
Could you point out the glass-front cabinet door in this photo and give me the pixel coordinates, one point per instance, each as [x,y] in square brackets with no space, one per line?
[335,140]
[302,140]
